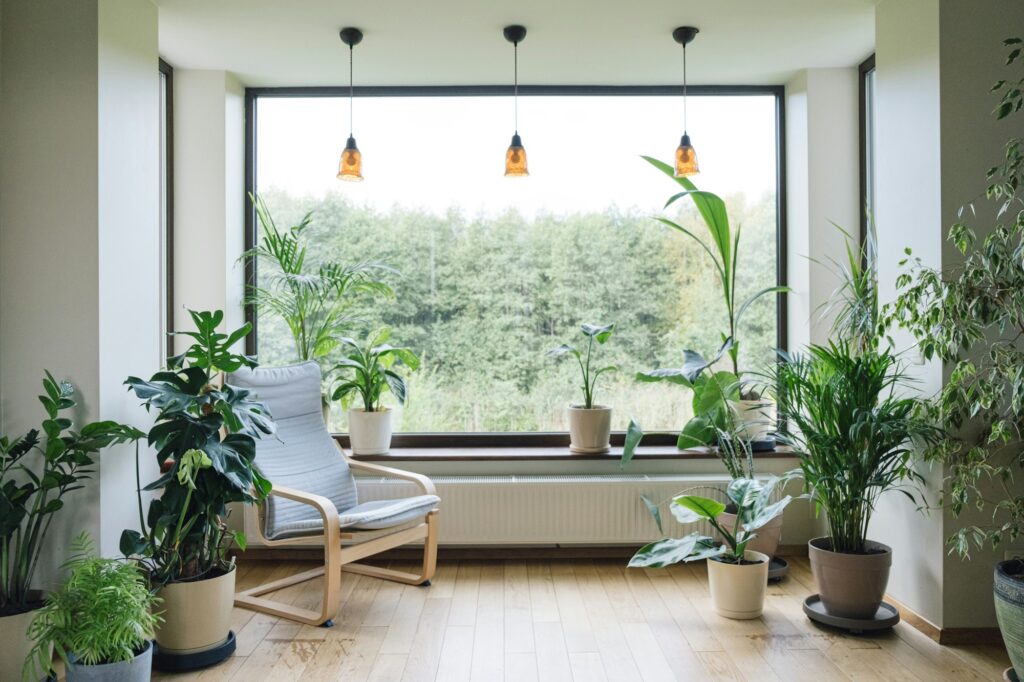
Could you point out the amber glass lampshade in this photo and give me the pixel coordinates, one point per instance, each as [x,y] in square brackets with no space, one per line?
[686,159]
[515,159]
[351,166]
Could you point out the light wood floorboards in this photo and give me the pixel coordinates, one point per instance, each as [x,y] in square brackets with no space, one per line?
[565,621]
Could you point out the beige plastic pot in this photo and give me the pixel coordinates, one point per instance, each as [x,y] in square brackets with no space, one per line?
[197,615]
[737,591]
[850,585]
[755,419]
[15,644]
[589,429]
[768,535]
[369,432]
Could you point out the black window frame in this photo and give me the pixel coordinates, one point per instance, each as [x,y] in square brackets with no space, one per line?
[865,68]
[167,347]
[520,438]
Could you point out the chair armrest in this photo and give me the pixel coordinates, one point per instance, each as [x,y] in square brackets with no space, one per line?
[423,482]
[328,512]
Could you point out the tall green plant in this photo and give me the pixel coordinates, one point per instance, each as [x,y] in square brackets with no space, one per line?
[846,416]
[103,613]
[370,369]
[593,332]
[971,316]
[314,301]
[37,471]
[204,437]
[853,305]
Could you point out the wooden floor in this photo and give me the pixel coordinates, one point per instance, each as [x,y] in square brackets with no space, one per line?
[571,620]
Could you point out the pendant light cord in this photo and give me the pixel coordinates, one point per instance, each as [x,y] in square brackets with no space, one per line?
[515,87]
[684,88]
[351,89]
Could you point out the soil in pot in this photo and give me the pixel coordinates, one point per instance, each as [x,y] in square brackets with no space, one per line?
[14,636]
[737,590]
[850,585]
[136,670]
[197,614]
[1008,591]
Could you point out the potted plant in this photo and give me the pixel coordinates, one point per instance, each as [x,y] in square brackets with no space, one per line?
[848,417]
[38,470]
[970,316]
[314,300]
[590,424]
[737,575]
[368,371]
[204,440]
[724,393]
[100,622]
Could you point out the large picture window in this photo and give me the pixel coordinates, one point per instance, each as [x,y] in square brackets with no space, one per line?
[491,272]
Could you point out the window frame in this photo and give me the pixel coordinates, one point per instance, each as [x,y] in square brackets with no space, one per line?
[167,189]
[518,438]
[866,180]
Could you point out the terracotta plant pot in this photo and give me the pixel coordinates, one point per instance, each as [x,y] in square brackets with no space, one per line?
[369,432]
[16,644]
[737,590]
[589,429]
[768,536]
[850,585]
[754,418]
[1008,590]
[139,669]
[197,615]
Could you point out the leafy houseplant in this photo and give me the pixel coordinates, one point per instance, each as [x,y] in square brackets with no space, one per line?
[37,472]
[589,424]
[99,622]
[737,576]
[204,440]
[971,316]
[723,397]
[846,416]
[368,371]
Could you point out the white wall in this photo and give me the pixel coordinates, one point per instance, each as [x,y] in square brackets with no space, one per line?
[78,225]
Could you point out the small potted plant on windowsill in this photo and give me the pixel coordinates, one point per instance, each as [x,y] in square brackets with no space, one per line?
[100,622]
[589,424]
[369,370]
[737,575]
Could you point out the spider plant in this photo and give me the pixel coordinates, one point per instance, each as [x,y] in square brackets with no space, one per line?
[846,415]
[593,332]
[314,301]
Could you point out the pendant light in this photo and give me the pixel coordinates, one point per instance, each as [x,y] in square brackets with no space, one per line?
[686,156]
[515,157]
[351,165]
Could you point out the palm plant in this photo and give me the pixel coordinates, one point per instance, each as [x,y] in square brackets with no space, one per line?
[593,332]
[853,305]
[370,370]
[843,413]
[315,302]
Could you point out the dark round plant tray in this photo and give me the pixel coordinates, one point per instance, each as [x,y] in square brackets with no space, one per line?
[168,662]
[1009,675]
[885,617]
[762,445]
[778,568]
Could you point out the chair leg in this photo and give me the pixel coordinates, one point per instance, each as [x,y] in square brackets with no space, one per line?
[429,561]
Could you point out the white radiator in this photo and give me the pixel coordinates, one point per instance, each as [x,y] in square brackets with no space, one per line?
[549,510]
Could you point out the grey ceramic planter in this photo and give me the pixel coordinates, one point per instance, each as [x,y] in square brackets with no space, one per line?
[1009,595]
[136,670]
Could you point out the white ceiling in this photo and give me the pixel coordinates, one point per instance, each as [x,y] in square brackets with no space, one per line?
[569,42]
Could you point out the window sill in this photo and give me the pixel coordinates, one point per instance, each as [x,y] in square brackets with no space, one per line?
[527,453]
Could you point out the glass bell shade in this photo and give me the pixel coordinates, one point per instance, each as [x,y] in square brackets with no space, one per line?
[686,159]
[515,159]
[351,165]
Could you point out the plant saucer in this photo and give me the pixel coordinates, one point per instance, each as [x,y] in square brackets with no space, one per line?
[886,617]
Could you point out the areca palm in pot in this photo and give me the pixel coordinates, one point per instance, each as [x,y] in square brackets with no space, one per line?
[848,417]
[367,371]
[100,622]
[204,438]
[38,471]
[590,424]
[737,575]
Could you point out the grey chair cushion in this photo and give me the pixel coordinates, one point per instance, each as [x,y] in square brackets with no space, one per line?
[374,515]
[303,455]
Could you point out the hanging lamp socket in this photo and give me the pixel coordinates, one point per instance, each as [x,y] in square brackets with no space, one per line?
[351,36]
[514,34]
[684,35]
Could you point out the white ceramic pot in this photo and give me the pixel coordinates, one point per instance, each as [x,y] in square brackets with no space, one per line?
[14,644]
[589,429]
[369,432]
[768,535]
[754,418]
[738,590]
[197,615]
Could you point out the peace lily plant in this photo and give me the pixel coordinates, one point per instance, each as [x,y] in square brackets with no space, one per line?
[589,423]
